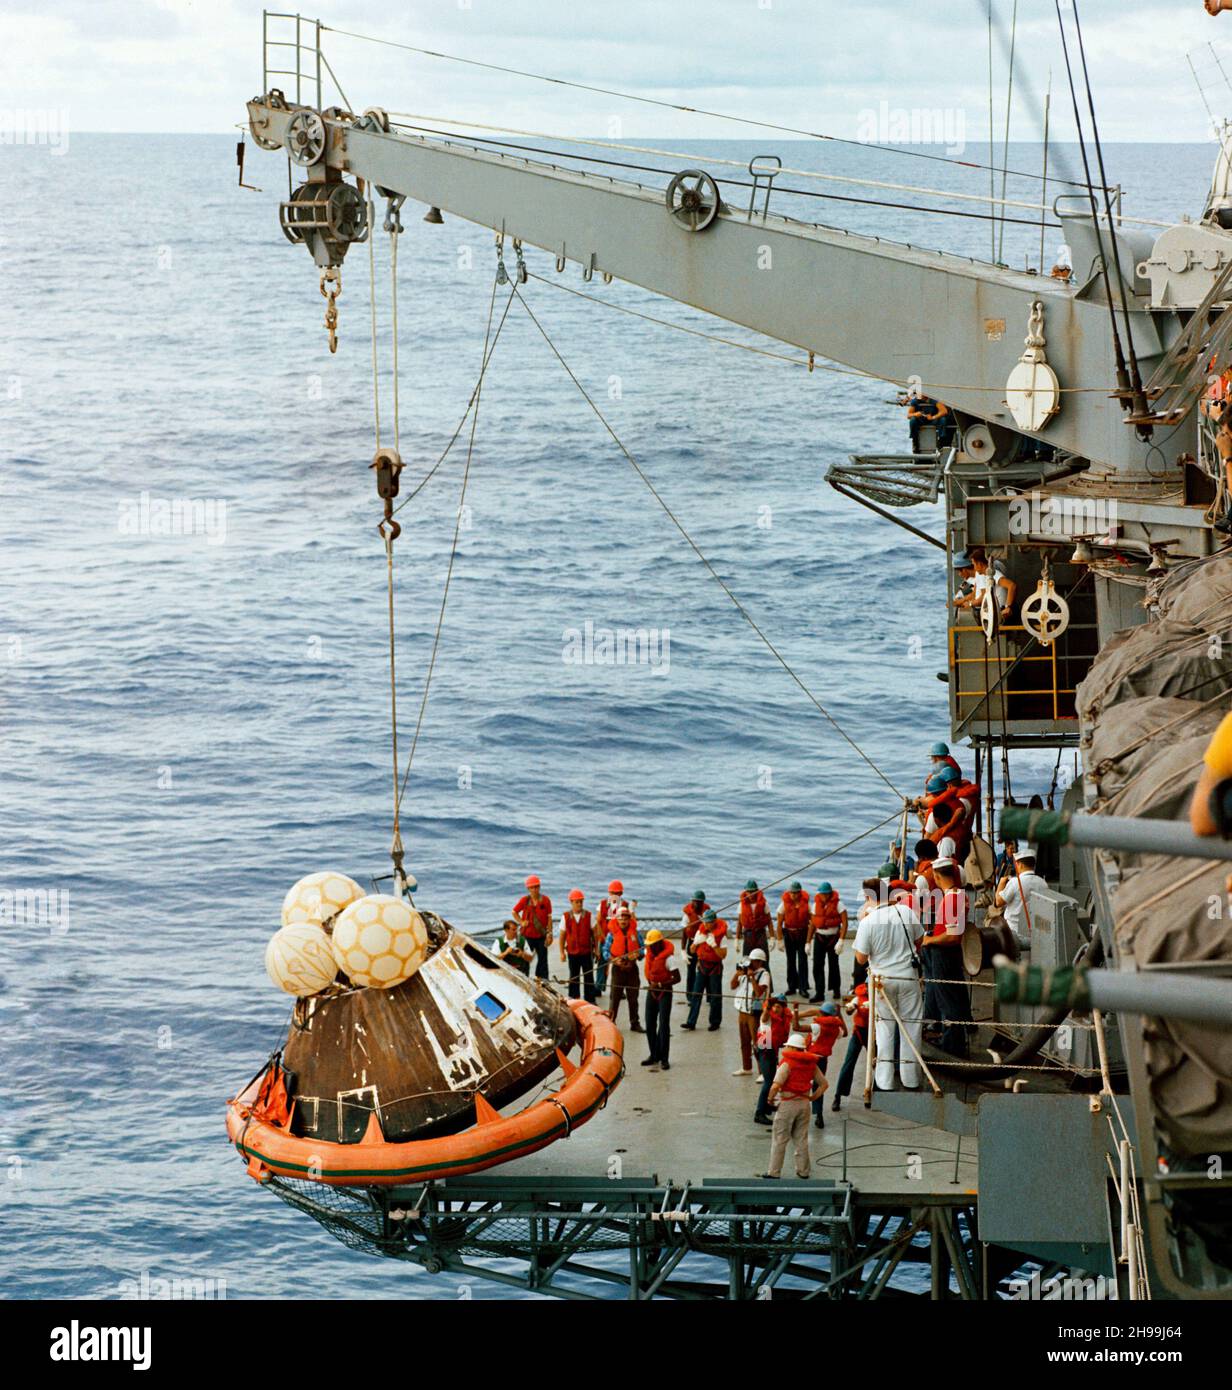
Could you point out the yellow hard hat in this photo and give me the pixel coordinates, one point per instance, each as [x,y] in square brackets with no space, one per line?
[653,936]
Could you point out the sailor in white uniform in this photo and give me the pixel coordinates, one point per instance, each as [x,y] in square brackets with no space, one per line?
[886,940]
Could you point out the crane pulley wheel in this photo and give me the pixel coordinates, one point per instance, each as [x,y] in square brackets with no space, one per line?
[305,139]
[1045,615]
[693,200]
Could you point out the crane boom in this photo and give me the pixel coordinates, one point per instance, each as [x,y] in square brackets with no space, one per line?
[896,311]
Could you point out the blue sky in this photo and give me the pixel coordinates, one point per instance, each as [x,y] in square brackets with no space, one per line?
[822,64]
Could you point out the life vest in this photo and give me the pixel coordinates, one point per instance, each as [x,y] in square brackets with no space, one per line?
[705,951]
[658,970]
[754,915]
[827,913]
[579,937]
[802,1066]
[536,918]
[829,1029]
[859,1019]
[624,942]
[952,912]
[795,912]
[693,919]
[775,1028]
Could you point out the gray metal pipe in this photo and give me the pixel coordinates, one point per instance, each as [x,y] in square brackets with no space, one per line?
[1174,993]
[1162,994]
[1128,833]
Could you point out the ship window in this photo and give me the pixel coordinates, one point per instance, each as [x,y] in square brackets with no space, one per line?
[490,1007]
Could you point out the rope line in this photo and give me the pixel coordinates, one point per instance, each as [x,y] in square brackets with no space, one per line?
[676,106]
[744,612]
[453,549]
[409,117]
[423,482]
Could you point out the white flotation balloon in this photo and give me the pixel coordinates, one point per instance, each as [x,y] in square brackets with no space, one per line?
[319,896]
[379,941]
[299,960]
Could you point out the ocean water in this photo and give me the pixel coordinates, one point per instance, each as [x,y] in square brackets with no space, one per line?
[192,722]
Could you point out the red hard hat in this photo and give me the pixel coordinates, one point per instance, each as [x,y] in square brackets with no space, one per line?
[576,895]
[533,881]
[615,886]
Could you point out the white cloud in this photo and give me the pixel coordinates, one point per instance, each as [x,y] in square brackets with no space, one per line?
[175,65]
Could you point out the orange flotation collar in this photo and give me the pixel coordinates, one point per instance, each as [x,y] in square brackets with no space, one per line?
[259,1126]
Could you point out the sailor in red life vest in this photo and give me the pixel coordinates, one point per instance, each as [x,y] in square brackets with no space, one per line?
[626,950]
[690,920]
[709,948]
[827,931]
[797,1082]
[856,1004]
[791,929]
[534,911]
[661,975]
[776,1022]
[577,948]
[948,812]
[825,1029]
[608,908]
[753,928]
[947,996]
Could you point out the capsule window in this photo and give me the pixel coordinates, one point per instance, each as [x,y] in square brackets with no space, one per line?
[490,1007]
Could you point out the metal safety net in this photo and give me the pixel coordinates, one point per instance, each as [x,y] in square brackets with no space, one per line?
[891,480]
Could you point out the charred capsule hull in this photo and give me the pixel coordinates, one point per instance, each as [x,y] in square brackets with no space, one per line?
[416,1054]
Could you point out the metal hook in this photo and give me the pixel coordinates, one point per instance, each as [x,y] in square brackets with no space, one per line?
[588,270]
[393,213]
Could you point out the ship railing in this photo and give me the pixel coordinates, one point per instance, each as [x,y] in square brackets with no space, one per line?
[291,47]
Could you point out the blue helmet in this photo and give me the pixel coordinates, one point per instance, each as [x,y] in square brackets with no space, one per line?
[939,750]
[830,1009]
[962,561]
[824,886]
[940,780]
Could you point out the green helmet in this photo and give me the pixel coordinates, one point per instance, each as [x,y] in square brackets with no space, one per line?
[888,870]
[751,886]
[796,886]
[699,895]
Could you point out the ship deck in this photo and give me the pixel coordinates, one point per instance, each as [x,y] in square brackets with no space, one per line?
[694,1123]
